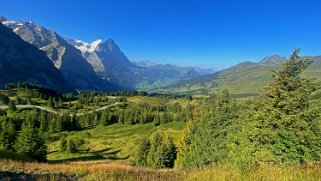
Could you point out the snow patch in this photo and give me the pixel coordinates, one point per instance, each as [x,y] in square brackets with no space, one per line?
[16,29]
[94,45]
[86,47]
[9,22]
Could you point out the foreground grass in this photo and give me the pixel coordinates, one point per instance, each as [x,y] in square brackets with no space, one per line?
[116,171]
[90,170]
[269,172]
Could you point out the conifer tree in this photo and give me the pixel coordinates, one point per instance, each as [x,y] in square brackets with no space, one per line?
[8,134]
[154,156]
[71,146]
[104,119]
[207,142]
[169,153]
[51,102]
[142,152]
[161,152]
[4,99]
[63,143]
[282,127]
[12,106]
[30,143]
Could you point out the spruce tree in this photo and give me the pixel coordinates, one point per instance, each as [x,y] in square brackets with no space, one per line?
[104,119]
[142,152]
[4,99]
[207,142]
[161,152]
[12,106]
[169,153]
[51,102]
[32,144]
[71,146]
[287,122]
[154,156]
[283,126]
[63,143]
[8,134]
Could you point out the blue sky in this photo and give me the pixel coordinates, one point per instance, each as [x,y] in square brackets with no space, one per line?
[214,34]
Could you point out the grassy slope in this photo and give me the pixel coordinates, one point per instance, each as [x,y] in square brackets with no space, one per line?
[243,79]
[115,142]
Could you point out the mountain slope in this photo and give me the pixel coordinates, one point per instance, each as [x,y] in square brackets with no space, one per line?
[75,69]
[274,59]
[164,75]
[98,65]
[244,79]
[110,63]
[23,62]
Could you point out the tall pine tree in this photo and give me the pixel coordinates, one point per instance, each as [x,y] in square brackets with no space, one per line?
[283,128]
[32,144]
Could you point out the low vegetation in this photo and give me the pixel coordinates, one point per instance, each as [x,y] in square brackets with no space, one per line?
[116,171]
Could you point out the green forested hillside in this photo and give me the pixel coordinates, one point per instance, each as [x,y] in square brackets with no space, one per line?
[242,80]
[94,126]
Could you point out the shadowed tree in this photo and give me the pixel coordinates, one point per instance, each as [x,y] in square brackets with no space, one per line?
[30,143]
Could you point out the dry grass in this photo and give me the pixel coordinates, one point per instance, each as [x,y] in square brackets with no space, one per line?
[91,170]
[267,172]
[119,171]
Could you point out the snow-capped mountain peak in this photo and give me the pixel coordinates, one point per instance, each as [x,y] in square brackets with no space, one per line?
[94,45]
[84,46]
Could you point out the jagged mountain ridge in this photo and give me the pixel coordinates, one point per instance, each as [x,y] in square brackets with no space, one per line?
[94,65]
[75,69]
[110,63]
[23,62]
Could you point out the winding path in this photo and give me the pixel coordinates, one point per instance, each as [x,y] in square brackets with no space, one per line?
[56,112]
[99,109]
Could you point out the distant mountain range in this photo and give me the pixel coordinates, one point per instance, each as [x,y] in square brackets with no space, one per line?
[32,53]
[244,79]
[110,63]
[65,57]
[99,65]
[199,71]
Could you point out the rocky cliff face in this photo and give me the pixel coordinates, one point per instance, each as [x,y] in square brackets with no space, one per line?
[108,61]
[68,59]
[23,62]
